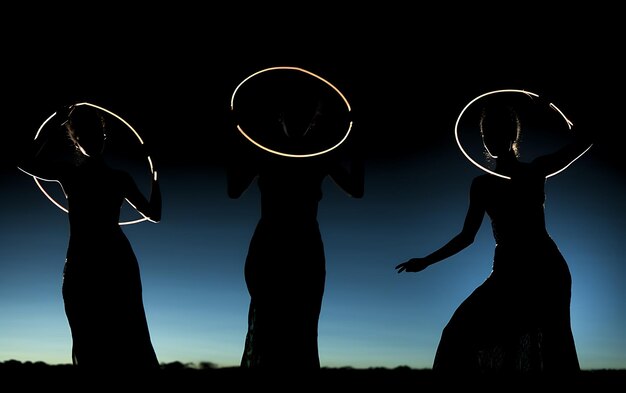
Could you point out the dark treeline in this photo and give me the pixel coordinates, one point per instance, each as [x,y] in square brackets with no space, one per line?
[178,376]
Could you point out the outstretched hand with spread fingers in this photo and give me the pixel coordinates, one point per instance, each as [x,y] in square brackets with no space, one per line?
[413,265]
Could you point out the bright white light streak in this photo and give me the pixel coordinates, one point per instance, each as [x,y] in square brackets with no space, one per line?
[232,107]
[56,203]
[530,94]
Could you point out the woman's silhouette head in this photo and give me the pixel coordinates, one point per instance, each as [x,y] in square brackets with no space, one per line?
[86,128]
[500,130]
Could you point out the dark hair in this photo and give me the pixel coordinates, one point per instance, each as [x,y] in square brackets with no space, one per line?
[502,119]
[86,128]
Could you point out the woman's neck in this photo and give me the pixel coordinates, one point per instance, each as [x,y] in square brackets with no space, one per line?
[505,163]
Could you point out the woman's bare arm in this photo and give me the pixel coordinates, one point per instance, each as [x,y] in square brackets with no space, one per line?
[149,208]
[473,221]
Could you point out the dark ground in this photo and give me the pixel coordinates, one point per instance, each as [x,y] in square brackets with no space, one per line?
[177,377]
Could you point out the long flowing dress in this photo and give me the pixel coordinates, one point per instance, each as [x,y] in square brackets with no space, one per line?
[519,318]
[285,268]
[102,289]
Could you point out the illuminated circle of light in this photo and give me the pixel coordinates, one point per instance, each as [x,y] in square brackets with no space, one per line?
[528,93]
[249,138]
[55,202]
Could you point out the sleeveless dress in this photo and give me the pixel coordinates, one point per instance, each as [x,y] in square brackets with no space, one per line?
[285,269]
[518,320]
[102,289]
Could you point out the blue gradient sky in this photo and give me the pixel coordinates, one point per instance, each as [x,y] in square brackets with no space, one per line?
[406,85]
[192,264]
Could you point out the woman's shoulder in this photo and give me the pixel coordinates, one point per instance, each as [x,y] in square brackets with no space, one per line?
[116,176]
[483,183]
[120,174]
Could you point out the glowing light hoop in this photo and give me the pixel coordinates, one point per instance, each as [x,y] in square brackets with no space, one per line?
[528,93]
[232,108]
[55,202]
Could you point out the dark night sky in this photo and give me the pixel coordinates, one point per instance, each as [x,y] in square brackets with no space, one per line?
[407,74]
[396,70]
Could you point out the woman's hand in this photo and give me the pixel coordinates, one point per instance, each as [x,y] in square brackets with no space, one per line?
[413,265]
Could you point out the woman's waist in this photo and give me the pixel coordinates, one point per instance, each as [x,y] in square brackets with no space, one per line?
[515,238]
[290,213]
[525,244]
[540,254]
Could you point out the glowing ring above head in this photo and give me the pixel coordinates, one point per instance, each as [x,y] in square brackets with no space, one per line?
[232,107]
[57,204]
[532,95]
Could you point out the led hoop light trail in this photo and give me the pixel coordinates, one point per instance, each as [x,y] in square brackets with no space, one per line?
[232,107]
[532,95]
[127,125]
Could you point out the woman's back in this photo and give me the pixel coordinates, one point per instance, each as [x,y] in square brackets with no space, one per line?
[515,206]
[291,190]
[95,194]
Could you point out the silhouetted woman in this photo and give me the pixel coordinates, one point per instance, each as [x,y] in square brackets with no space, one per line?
[518,319]
[285,266]
[102,289]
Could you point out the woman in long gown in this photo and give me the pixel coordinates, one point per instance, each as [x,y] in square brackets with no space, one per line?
[518,319]
[285,267]
[101,289]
